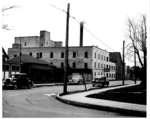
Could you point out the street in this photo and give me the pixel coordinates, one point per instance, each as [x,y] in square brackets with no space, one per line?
[41,102]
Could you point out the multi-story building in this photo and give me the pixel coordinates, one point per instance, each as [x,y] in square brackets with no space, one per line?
[90,60]
[116,58]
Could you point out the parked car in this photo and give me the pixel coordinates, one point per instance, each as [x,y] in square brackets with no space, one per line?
[7,84]
[76,79]
[100,82]
[19,80]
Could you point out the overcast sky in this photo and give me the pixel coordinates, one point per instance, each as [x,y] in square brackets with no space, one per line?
[105,20]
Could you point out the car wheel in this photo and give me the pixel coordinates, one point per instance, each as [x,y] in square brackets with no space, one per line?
[80,82]
[15,86]
[29,86]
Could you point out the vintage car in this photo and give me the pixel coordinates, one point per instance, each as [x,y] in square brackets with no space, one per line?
[19,80]
[76,79]
[100,82]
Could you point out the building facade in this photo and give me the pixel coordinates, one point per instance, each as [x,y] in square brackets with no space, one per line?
[90,60]
[116,58]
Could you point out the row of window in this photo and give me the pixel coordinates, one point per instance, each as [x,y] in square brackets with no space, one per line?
[73,65]
[108,75]
[101,57]
[102,66]
[62,55]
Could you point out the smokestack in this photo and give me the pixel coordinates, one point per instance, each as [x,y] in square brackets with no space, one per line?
[81,34]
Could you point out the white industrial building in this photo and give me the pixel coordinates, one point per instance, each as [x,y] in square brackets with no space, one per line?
[90,60]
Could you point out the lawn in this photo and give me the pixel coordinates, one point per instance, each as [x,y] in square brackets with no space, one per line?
[134,94]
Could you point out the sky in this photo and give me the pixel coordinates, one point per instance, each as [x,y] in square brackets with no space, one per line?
[105,21]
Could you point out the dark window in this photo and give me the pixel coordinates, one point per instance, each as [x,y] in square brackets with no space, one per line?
[85,65]
[40,54]
[62,55]
[95,55]
[74,65]
[15,55]
[30,53]
[15,68]
[86,54]
[107,75]
[51,55]
[41,44]
[95,64]
[107,58]
[74,54]
[62,65]
[25,43]
[6,67]
[107,66]
[37,55]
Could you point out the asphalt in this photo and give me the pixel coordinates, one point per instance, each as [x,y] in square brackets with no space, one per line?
[81,99]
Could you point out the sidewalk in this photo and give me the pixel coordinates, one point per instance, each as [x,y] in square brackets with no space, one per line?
[47,84]
[80,99]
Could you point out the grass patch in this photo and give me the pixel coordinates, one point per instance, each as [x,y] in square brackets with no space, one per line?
[134,94]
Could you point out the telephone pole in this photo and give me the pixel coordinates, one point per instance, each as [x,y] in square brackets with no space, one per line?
[123,70]
[20,57]
[66,51]
[134,65]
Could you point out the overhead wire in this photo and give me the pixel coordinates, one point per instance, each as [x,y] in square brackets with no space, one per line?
[89,31]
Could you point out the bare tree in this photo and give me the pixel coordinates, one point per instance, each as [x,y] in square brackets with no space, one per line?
[137,33]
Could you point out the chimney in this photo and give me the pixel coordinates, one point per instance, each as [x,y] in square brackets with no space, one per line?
[81,34]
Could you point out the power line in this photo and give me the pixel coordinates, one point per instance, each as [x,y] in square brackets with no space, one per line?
[93,35]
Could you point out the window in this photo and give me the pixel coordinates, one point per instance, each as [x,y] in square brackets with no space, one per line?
[95,55]
[25,43]
[62,55]
[98,56]
[30,53]
[95,64]
[15,68]
[107,75]
[74,65]
[37,55]
[62,65]
[107,58]
[85,65]
[74,54]
[51,55]
[86,54]
[40,54]
[15,55]
[107,66]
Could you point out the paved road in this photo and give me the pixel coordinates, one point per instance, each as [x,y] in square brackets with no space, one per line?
[41,102]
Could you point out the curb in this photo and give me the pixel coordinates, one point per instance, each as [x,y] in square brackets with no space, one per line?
[129,112]
[41,85]
[98,107]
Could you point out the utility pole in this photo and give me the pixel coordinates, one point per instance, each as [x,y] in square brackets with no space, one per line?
[20,57]
[123,70]
[66,51]
[134,65]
